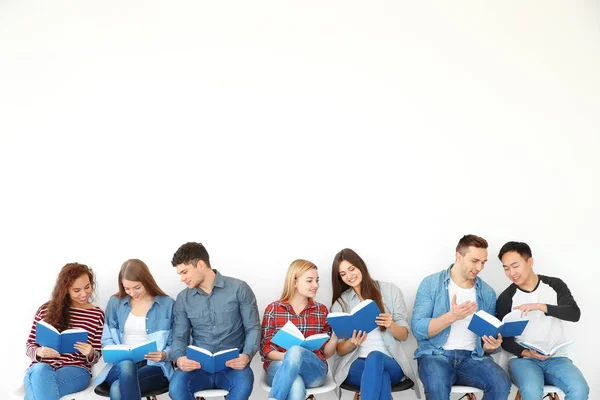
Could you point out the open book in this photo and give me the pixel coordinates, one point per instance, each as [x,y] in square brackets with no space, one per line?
[545,352]
[211,362]
[290,335]
[486,324]
[49,336]
[114,353]
[361,318]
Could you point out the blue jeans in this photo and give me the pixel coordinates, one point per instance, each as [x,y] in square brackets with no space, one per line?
[128,380]
[238,382]
[300,369]
[530,375]
[375,375]
[439,372]
[42,382]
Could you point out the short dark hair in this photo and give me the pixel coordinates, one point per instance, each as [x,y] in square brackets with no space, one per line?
[190,253]
[520,247]
[470,241]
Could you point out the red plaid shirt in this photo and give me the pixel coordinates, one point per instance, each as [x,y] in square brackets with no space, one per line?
[311,321]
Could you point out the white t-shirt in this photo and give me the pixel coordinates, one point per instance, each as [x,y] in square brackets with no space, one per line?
[460,337]
[134,331]
[374,342]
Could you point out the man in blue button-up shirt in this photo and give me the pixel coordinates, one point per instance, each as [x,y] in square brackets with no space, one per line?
[448,353]
[219,313]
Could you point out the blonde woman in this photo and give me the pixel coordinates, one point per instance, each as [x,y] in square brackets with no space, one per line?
[290,373]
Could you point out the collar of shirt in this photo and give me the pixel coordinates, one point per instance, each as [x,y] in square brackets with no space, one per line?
[219,282]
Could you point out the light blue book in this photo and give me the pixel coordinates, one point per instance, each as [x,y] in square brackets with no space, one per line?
[63,342]
[483,323]
[289,335]
[360,318]
[115,353]
[546,352]
[210,362]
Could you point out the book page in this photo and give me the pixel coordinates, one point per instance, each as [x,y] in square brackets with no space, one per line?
[116,347]
[337,314]
[488,318]
[560,346]
[47,325]
[225,351]
[201,350]
[73,330]
[514,315]
[360,306]
[293,330]
[317,336]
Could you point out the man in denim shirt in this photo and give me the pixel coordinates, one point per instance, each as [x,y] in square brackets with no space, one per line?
[220,313]
[448,353]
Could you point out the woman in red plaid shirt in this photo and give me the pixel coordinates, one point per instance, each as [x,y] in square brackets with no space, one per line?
[290,372]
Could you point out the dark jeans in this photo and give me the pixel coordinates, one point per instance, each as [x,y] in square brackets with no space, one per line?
[238,382]
[128,380]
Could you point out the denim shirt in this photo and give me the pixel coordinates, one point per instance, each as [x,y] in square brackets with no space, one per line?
[159,320]
[224,319]
[433,300]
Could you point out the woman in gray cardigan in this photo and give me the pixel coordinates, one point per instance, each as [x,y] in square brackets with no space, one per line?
[374,361]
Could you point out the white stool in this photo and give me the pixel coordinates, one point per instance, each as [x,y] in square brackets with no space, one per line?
[550,391]
[466,391]
[204,394]
[327,386]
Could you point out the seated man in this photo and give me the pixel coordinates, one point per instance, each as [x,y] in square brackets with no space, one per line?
[448,353]
[220,313]
[546,302]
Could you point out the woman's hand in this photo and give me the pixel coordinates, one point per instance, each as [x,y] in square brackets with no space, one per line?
[358,337]
[384,320]
[85,348]
[46,352]
[156,356]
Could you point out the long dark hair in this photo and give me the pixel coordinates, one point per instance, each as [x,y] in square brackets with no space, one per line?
[57,309]
[137,270]
[369,289]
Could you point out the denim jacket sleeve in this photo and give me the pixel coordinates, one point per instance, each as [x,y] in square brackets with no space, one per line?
[250,319]
[423,309]
[168,348]
[111,323]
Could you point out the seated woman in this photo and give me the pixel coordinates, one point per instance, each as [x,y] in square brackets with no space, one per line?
[53,375]
[375,360]
[290,372]
[138,313]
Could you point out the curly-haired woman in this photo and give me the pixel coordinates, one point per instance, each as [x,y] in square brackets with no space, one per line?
[51,374]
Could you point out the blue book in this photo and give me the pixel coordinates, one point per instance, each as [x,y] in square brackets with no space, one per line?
[483,323]
[289,335]
[114,353]
[48,336]
[360,318]
[210,362]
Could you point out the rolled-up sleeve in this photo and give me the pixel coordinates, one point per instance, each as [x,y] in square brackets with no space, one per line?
[250,319]
[422,311]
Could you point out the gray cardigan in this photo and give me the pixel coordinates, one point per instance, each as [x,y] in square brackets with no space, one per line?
[393,302]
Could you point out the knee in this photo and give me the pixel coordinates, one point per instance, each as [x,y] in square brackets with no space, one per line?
[293,355]
[578,391]
[375,356]
[127,367]
[39,369]
[531,391]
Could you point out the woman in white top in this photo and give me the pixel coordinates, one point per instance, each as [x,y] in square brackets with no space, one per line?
[375,360]
[138,313]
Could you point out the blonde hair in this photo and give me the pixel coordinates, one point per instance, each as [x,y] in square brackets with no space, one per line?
[296,269]
[137,270]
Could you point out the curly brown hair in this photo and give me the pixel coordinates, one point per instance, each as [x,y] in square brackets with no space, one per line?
[57,313]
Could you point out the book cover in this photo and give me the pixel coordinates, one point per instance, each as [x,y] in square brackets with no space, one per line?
[543,351]
[48,336]
[361,318]
[289,335]
[210,362]
[483,323]
[114,353]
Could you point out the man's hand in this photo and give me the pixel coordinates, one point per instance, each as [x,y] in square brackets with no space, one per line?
[185,364]
[525,308]
[490,344]
[534,354]
[463,310]
[238,363]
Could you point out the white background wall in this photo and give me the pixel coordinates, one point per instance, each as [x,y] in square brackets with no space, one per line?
[275,130]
